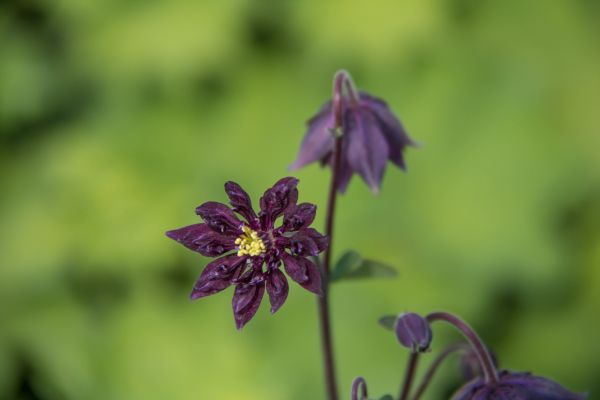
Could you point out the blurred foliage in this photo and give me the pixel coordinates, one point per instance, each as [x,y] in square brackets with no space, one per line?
[117,118]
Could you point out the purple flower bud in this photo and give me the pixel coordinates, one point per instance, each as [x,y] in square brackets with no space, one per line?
[413,332]
[516,386]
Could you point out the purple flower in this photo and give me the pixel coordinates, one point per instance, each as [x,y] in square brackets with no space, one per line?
[516,386]
[251,250]
[372,135]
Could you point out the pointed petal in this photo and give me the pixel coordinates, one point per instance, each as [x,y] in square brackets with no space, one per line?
[304,272]
[345,173]
[318,139]
[299,217]
[307,242]
[220,218]
[277,200]
[391,127]
[367,148]
[246,300]
[322,241]
[240,201]
[202,239]
[218,275]
[277,288]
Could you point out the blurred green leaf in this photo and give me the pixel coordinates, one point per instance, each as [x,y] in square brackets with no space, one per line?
[388,321]
[351,265]
[387,397]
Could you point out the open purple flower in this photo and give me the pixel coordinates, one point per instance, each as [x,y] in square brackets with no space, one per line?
[251,250]
[372,135]
[516,386]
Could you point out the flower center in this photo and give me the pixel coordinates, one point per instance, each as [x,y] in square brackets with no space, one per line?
[249,243]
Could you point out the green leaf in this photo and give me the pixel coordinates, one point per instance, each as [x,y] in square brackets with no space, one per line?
[351,265]
[387,397]
[388,321]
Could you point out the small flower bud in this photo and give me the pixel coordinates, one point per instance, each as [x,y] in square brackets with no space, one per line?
[413,332]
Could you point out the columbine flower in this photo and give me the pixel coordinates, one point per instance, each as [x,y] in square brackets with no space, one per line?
[372,135]
[251,251]
[516,386]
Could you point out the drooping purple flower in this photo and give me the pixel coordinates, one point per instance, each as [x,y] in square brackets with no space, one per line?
[516,386]
[372,135]
[251,250]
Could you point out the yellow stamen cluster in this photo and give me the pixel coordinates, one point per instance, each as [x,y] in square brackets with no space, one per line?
[249,243]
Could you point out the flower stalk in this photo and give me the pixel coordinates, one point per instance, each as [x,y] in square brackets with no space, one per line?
[409,375]
[485,359]
[449,350]
[359,384]
[341,78]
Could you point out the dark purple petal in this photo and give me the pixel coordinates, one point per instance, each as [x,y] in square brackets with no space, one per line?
[345,174]
[302,244]
[391,127]
[220,218]
[246,300]
[277,199]
[304,272]
[368,150]
[200,238]
[321,240]
[277,288]
[299,217]
[413,332]
[516,386]
[218,275]
[240,201]
[318,140]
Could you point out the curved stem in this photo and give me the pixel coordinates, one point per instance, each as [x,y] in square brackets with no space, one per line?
[487,364]
[435,365]
[342,77]
[359,383]
[411,368]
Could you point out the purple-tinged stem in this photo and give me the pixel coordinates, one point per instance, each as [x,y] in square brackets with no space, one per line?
[341,78]
[435,365]
[485,359]
[359,383]
[409,375]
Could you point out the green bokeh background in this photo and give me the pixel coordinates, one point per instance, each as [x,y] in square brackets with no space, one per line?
[118,118]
